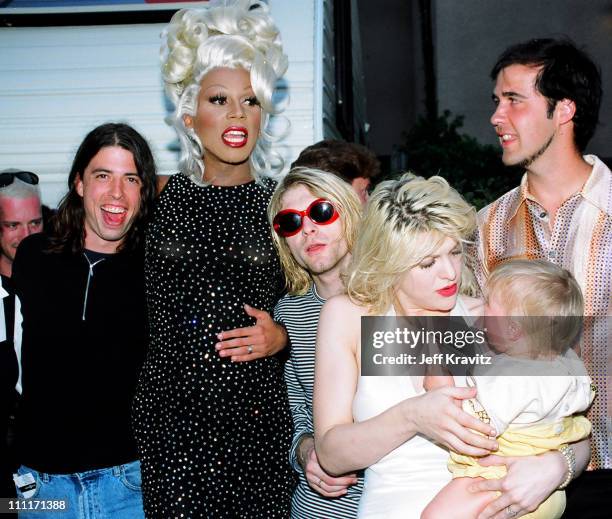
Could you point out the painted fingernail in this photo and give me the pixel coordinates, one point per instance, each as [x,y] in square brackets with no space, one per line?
[218,346]
[220,336]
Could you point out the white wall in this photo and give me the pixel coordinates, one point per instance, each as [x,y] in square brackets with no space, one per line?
[60,82]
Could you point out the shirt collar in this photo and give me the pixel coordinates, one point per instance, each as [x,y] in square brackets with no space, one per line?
[522,194]
[597,190]
[316,294]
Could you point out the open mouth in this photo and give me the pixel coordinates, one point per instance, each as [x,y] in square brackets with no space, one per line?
[113,215]
[506,138]
[235,137]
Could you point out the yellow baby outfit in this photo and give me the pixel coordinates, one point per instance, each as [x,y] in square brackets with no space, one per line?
[532,414]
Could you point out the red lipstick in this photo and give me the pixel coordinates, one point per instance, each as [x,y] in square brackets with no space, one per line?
[235,136]
[448,291]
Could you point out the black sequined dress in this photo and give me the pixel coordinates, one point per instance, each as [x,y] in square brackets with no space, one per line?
[213,435]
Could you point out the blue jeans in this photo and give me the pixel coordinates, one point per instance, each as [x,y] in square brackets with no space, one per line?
[111,493]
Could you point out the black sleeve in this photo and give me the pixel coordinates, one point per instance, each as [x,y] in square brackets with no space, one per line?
[25,265]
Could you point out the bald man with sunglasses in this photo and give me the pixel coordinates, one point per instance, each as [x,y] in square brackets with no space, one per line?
[20,214]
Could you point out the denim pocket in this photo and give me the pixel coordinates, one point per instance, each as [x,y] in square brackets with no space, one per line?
[130,476]
[22,471]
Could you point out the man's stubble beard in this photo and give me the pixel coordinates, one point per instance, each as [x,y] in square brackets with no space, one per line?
[525,163]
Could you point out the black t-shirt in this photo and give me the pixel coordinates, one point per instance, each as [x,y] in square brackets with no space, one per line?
[84,343]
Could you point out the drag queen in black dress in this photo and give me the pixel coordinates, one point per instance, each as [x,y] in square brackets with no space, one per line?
[214,434]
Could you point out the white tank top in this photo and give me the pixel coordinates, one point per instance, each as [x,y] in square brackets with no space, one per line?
[404,481]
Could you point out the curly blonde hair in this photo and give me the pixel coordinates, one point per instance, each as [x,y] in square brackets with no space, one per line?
[321,184]
[406,220]
[235,34]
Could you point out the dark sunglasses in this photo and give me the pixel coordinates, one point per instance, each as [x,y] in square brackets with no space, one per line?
[289,221]
[6,179]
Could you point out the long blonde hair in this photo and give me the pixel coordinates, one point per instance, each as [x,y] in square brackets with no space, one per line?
[406,220]
[321,185]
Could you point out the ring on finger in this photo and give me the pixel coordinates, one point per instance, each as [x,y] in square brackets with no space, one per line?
[249,349]
[510,512]
[319,483]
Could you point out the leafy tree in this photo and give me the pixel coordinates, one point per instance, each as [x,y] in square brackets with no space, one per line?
[436,147]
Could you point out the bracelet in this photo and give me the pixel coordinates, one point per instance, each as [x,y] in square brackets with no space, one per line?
[570,458]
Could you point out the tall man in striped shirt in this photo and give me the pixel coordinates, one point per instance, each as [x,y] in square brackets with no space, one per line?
[547,95]
[315,217]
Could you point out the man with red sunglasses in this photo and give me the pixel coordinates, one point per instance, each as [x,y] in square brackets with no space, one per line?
[315,216]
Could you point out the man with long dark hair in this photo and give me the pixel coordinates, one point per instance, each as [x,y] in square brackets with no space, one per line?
[84,332]
[547,96]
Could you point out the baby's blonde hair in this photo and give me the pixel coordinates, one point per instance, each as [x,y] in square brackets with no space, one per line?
[545,297]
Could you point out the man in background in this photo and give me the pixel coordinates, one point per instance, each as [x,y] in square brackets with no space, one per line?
[20,214]
[352,162]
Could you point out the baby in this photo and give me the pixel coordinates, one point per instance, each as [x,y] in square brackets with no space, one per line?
[535,389]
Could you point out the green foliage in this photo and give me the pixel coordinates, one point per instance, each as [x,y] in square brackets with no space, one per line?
[473,169]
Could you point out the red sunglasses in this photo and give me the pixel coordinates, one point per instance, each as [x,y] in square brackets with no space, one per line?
[289,221]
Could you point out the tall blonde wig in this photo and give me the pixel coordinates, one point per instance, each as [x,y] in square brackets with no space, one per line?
[232,34]
[406,220]
[321,185]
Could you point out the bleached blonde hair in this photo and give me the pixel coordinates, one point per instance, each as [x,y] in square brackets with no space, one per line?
[406,220]
[19,189]
[321,184]
[230,34]
[545,298]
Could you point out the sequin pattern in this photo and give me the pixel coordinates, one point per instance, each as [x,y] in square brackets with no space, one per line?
[213,435]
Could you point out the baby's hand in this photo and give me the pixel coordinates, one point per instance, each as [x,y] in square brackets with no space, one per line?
[431,382]
[435,377]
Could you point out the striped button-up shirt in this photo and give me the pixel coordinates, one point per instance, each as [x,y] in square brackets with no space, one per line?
[517,226]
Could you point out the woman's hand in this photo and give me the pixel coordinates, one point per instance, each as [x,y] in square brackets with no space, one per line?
[319,480]
[437,415]
[263,339]
[528,483]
